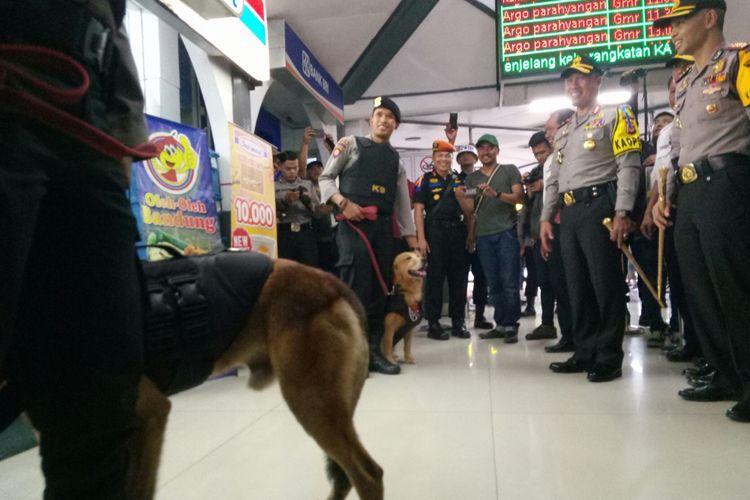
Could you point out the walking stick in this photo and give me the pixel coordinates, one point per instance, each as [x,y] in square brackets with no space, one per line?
[625,250]
[662,205]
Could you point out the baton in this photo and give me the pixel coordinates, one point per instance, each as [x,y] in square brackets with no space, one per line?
[608,224]
[662,205]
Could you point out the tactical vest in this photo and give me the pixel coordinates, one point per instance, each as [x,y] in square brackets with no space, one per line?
[196,308]
[413,315]
[371,180]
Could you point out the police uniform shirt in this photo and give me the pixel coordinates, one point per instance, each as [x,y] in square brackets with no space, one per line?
[344,155]
[295,212]
[713,113]
[438,197]
[600,147]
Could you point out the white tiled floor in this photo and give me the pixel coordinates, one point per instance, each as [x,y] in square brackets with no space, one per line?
[473,420]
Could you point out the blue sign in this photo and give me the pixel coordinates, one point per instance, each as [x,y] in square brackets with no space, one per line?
[303,65]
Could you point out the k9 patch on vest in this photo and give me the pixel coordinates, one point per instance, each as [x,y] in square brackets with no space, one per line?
[625,137]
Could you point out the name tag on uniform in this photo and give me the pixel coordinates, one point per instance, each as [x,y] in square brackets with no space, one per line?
[295,227]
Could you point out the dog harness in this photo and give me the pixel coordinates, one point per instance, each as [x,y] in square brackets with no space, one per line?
[196,307]
[412,314]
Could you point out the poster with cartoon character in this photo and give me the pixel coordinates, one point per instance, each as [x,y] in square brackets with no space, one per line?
[253,196]
[176,204]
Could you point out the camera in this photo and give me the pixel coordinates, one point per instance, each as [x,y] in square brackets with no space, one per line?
[305,199]
[536,175]
[471,191]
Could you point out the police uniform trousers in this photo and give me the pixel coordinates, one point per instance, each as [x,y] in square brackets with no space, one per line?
[646,252]
[356,270]
[554,289]
[70,284]
[712,236]
[593,269]
[677,300]
[299,246]
[447,259]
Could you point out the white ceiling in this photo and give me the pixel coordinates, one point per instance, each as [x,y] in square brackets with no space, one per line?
[448,64]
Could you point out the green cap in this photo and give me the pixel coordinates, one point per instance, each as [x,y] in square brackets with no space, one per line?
[488,138]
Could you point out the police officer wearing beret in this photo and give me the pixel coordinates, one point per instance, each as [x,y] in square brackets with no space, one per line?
[595,174]
[370,174]
[69,292]
[712,232]
[440,219]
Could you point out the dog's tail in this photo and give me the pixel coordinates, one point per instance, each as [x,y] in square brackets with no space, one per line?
[338,478]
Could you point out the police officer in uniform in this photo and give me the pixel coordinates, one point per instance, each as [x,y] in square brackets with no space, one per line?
[440,219]
[712,232]
[69,293]
[595,174]
[370,175]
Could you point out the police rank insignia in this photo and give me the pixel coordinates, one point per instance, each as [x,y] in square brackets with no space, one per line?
[559,157]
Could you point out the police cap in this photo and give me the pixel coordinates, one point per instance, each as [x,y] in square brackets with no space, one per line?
[584,65]
[387,103]
[688,8]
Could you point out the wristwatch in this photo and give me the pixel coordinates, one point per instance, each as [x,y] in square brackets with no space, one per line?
[622,213]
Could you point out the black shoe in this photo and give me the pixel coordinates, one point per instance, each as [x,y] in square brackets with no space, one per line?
[568,366]
[381,365]
[679,355]
[459,330]
[603,373]
[698,372]
[700,381]
[542,332]
[492,334]
[511,338]
[739,412]
[528,312]
[710,392]
[436,332]
[562,346]
[483,324]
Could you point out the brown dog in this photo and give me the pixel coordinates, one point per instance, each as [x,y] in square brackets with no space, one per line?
[308,330]
[403,310]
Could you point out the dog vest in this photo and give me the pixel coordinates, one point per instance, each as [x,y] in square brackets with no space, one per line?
[411,314]
[197,307]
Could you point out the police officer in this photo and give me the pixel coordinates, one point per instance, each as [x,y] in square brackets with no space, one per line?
[440,219]
[595,174]
[296,205]
[69,292]
[324,227]
[370,175]
[712,232]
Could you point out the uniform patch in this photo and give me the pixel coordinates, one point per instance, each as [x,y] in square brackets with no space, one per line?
[625,137]
[743,77]
[340,147]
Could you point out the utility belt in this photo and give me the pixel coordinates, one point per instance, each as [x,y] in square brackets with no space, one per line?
[704,167]
[587,194]
[294,227]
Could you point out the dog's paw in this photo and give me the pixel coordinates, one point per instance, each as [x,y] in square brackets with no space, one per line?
[410,360]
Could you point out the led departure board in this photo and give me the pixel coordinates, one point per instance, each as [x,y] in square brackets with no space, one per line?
[539,37]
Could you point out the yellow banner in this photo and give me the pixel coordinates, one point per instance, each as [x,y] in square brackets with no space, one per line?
[253,199]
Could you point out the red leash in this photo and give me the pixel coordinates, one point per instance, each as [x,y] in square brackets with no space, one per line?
[370,213]
[50,111]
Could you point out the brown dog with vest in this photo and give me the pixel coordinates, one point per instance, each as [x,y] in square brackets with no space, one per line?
[403,311]
[306,329]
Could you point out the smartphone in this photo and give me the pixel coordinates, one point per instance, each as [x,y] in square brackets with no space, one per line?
[319,132]
[453,121]
[471,191]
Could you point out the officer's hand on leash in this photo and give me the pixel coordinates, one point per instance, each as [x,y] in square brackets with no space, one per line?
[661,219]
[352,211]
[547,234]
[622,226]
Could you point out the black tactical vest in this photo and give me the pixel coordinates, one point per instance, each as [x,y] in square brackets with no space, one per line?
[371,180]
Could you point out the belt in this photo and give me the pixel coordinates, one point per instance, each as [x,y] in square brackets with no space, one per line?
[585,194]
[704,167]
[294,227]
[446,223]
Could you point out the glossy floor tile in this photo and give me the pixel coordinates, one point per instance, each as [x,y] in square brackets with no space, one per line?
[473,420]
